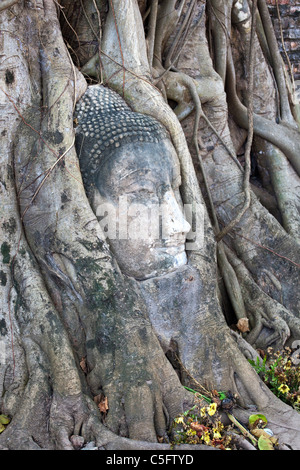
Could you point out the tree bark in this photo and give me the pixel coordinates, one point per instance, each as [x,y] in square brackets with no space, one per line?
[72,325]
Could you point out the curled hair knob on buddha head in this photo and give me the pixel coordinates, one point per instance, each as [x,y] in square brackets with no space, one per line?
[106,122]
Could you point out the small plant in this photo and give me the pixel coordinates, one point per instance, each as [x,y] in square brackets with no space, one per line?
[281,374]
[201,425]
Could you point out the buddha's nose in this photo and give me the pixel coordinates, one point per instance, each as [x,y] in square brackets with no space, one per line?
[174,223]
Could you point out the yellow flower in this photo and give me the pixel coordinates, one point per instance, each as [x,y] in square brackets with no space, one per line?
[179,420]
[288,365]
[206,438]
[212,409]
[203,412]
[283,388]
[217,435]
[220,426]
[191,432]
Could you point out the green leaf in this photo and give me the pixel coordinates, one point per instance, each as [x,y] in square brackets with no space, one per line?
[2,427]
[4,419]
[264,360]
[254,418]
[264,443]
[222,396]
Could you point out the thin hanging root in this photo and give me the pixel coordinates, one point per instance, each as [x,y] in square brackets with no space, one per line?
[231,283]
[247,171]
[181,34]
[283,136]
[166,24]
[152,29]
[7,4]
[284,48]
[277,64]
[228,274]
[264,310]
[191,85]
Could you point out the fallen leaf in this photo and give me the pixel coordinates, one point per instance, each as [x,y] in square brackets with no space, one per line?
[217,401]
[257,421]
[261,352]
[243,325]
[260,432]
[102,403]
[264,443]
[4,419]
[199,428]
[83,365]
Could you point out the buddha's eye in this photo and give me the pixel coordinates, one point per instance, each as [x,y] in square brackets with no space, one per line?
[162,189]
[142,193]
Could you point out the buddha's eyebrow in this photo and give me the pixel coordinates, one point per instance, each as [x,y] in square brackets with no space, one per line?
[132,172]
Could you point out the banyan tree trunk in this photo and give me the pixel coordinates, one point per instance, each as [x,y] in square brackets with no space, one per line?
[72,326]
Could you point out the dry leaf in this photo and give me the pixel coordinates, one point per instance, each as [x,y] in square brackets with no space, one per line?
[264,443]
[243,325]
[260,432]
[102,403]
[83,365]
[199,428]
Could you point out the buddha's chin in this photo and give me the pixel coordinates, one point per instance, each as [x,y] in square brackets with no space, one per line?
[172,259]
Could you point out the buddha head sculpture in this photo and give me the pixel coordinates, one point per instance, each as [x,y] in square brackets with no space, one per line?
[131,174]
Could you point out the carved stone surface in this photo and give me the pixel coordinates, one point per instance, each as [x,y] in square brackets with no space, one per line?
[106,122]
[132,176]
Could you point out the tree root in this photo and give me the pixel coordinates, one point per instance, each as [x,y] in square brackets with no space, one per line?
[7,4]
[263,311]
[285,184]
[276,62]
[285,138]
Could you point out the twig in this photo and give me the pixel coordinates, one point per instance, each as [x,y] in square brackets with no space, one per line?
[268,249]
[207,393]
[243,430]
[49,171]
[240,441]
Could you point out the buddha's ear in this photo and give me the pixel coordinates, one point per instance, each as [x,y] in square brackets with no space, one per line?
[96,200]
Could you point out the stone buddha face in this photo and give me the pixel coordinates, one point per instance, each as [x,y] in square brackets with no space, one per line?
[132,177]
[138,189]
